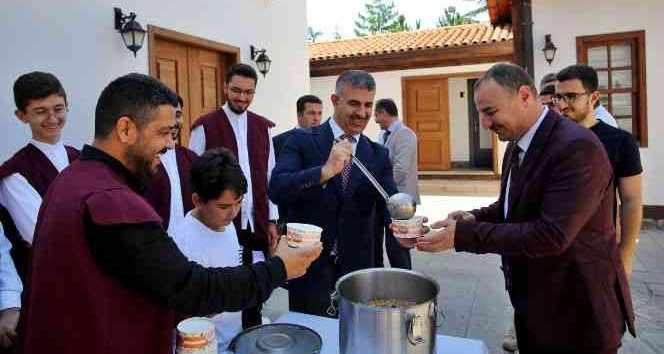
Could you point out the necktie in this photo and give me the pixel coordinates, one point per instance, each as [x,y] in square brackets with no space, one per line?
[345,173]
[514,171]
[387,133]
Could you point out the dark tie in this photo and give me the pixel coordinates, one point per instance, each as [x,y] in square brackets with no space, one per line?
[387,133]
[514,172]
[345,173]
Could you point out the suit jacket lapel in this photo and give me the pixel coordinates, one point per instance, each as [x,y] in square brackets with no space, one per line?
[324,139]
[532,155]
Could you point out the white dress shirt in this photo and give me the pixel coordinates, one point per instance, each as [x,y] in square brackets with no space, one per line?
[602,114]
[524,144]
[211,248]
[21,199]
[338,132]
[169,161]
[10,283]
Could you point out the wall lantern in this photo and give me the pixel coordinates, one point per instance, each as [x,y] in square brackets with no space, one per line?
[549,49]
[132,32]
[262,60]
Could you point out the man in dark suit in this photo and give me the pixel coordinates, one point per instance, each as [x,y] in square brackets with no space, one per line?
[553,224]
[309,113]
[314,176]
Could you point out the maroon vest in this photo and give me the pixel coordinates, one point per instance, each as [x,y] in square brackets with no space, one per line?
[38,170]
[158,189]
[71,305]
[219,133]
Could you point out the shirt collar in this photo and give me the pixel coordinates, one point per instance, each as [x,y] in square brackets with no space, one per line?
[46,147]
[91,153]
[526,139]
[394,126]
[337,131]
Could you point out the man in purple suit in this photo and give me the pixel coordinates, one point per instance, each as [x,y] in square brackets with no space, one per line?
[169,190]
[552,225]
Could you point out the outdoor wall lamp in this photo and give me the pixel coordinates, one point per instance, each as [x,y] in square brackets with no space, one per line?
[132,32]
[263,62]
[549,49]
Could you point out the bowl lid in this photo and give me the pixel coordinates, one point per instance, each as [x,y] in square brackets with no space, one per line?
[277,338]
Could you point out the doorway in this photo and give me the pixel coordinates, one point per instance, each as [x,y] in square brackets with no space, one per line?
[480,139]
[193,67]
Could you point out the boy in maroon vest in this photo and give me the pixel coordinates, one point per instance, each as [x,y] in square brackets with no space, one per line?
[169,191]
[248,136]
[41,103]
[105,278]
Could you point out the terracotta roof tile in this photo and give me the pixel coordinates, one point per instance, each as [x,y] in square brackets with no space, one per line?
[454,36]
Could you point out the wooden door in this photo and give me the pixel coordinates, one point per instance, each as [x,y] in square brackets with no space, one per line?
[427,113]
[173,70]
[196,74]
[207,70]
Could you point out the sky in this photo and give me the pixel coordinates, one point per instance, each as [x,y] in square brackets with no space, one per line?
[330,15]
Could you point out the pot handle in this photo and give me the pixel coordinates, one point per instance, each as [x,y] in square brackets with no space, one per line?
[441,317]
[415,325]
[333,309]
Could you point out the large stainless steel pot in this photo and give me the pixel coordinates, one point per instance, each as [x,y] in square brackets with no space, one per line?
[386,330]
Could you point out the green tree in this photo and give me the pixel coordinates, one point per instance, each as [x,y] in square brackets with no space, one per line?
[451,17]
[337,35]
[312,34]
[418,24]
[379,17]
[482,7]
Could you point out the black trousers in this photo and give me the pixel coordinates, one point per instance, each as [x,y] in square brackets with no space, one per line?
[251,316]
[529,345]
[399,256]
[312,295]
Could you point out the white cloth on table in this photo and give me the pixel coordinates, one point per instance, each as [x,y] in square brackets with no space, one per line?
[21,199]
[328,329]
[211,248]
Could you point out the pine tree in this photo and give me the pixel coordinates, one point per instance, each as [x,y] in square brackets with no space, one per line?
[451,17]
[379,17]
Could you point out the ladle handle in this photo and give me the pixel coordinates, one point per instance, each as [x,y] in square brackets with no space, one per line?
[368,174]
[371,178]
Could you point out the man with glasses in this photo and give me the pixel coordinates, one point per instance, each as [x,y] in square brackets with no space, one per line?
[169,190]
[41,103]
[247,135]
[576,95]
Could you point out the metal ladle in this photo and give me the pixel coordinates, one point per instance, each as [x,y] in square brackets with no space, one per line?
[401,206]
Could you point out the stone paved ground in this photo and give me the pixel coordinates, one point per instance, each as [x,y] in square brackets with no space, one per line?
[472,288]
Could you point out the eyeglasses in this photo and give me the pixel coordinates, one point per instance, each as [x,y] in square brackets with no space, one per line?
[567,97]
[239,91]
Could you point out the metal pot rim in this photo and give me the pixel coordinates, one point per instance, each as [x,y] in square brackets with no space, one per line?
[386,270]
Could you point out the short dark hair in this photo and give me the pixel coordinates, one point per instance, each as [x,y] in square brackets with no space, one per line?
[34,86]
[584,73]
[387,105]
[243,70]
[134,95]
[358,79]
[214,172]
[508,76]
[302,101]
[548,79]
[180,101]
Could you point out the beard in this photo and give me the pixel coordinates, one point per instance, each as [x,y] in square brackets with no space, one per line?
[141,164]
[235,109]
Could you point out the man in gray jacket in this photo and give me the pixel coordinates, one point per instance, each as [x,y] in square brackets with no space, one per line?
[401,143]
